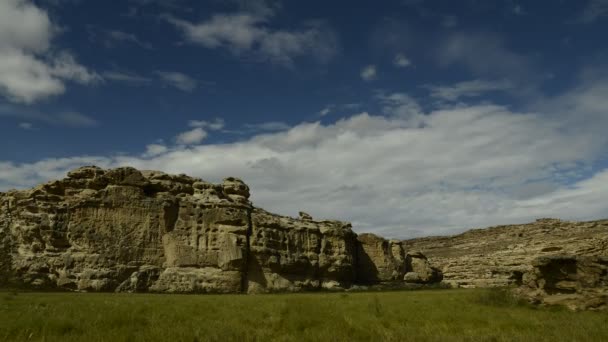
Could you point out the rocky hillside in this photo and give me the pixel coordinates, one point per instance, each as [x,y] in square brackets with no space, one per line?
[499,256]
[130,230]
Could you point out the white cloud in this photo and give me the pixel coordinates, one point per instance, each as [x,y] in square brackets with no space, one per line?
[178,80]
[28,70]
[401,61]
[65,67]
[468,89]
[249,32]
[215,125]
[422,173]
[368,73]
[153,150]
[194,136]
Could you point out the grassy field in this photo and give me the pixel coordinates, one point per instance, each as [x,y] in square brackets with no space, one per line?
[431,315]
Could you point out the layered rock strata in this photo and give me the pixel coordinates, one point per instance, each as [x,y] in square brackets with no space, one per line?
[500,256]
[137,231]
[579,283]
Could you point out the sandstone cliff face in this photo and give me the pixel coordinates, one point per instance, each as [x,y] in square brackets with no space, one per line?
[130,230]
[500,256]
[579,283]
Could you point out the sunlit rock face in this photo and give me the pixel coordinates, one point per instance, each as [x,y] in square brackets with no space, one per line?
[136,231]
[500,256]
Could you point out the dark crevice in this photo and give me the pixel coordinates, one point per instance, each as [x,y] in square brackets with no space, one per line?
[245,273]
[171,211]
[6,245]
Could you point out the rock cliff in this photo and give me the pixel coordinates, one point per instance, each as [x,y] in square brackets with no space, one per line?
[137,231]
[500,256]
[579,283]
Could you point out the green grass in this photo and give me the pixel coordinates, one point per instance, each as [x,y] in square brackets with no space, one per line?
[429,315]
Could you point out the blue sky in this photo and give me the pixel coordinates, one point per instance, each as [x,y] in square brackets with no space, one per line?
[408,118]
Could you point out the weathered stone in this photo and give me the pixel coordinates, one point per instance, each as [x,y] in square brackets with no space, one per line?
[499,256]
[422,270]
[290,255]
[137,231]
[579,283]
[379,260]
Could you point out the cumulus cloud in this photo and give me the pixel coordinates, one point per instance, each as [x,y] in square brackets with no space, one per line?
[421,173]
[249,32]
[471,88]
[29,70]
[193,136]
[153,150]
[369,73]
[178,80]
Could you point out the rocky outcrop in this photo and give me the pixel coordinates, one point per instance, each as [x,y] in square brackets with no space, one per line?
[419,270]
[137,231]
[382,261]
[287,254]
[379,260]
[579,283]
[500,256]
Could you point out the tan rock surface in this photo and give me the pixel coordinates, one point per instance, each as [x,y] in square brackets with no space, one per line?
[499,256]
[579,283]
[130,230]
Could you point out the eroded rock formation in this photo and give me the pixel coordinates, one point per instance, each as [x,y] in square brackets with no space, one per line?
[130,230]
[579,283]
[500,256]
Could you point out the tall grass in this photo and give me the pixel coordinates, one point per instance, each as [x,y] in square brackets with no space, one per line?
[437,315]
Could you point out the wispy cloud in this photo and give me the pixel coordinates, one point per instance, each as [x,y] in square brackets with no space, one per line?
[26,126]
[127,77]
[249,32]
[178,80]
[594,10]
[63,118]
[216,124]
[472,88]
[267,126]
[114,36]
[369,73]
